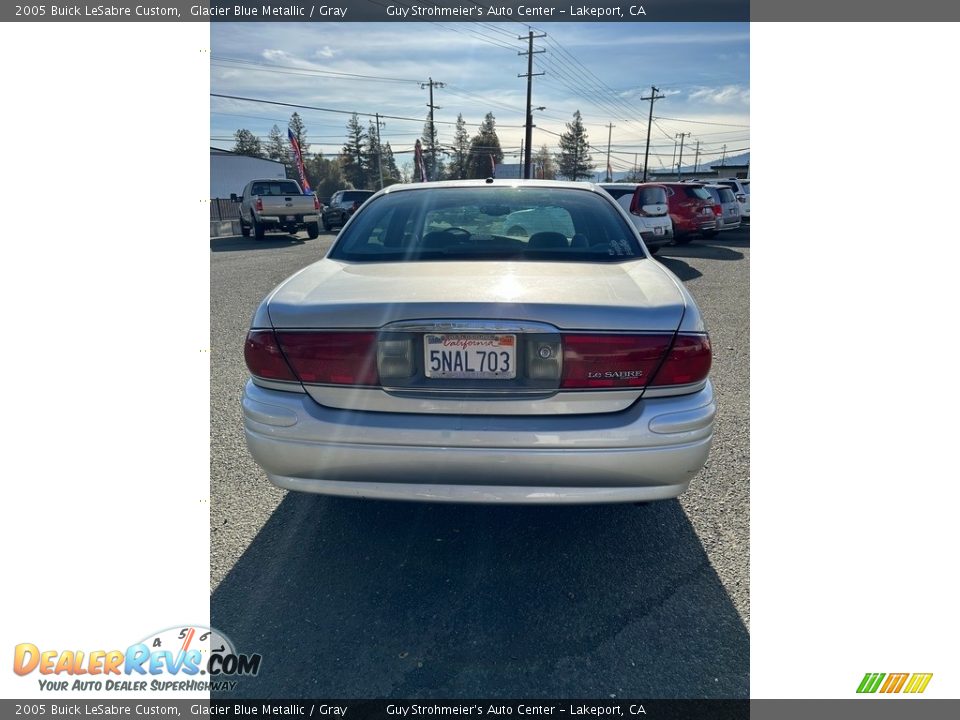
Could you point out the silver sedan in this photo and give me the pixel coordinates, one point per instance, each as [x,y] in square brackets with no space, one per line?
[442,351]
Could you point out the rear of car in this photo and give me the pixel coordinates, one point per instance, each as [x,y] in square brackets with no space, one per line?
[726,207]
[655,226]
[438,354]
[741,190]
[342,206]
[277,205]
[691,210]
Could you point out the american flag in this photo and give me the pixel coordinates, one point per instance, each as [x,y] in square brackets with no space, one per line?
[418,159]
[297,154]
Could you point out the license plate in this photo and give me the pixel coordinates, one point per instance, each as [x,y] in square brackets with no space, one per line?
[291,218]
[471,356]
[733,211]
[658,230]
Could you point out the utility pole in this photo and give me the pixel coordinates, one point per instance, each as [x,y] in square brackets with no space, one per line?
[680,159]
[609,175]
[529,76]
[696,162]
[723,160]
[433,130]
[379,151]
[646,154]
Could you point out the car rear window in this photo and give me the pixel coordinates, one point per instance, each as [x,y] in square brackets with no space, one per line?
[726,195]
[488,223]
[698,192]
[356,195]
[653,196]
[746,187]
[275,188]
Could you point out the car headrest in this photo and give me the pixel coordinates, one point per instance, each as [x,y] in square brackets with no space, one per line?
[548,240]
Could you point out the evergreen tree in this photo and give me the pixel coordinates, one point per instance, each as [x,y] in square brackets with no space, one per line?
[373,158]
[278,149]
[484,146]
[457,169]
[574,160]
[390,170]
[352,158]
[544,165]
[247,144]
[300,133]
[431,151]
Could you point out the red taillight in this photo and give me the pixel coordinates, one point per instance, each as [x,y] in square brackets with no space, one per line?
[613,361]
[316,203]
[718,210]
[264,358]
[687,362]
[336,358]
[259,205]
[606,361]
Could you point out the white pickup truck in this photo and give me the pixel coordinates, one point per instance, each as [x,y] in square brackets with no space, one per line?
[277,205]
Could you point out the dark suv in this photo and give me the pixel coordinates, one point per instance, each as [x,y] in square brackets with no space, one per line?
[341,206]
[691,209]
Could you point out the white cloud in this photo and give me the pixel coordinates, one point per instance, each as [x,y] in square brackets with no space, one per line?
[325,52]
[726,95]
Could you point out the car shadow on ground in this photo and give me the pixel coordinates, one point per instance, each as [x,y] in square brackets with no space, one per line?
[368,599]
[239,242]
[678,267]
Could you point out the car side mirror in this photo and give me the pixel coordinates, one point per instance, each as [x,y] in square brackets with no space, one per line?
[235,198]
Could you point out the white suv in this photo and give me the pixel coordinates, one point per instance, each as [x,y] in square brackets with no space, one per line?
[742,190]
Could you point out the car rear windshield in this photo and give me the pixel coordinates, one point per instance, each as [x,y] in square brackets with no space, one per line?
[488,223]
[357,195]
[279,187]
[698,192]
[653,196]
[726,195]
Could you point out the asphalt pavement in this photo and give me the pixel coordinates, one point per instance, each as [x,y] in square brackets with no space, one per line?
[350,598]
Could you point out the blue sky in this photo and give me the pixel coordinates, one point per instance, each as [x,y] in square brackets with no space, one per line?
[602,69]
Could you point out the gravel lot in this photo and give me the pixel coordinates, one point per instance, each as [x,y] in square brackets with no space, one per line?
[351,598]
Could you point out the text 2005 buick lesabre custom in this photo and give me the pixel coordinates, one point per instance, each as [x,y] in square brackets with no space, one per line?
[482,341]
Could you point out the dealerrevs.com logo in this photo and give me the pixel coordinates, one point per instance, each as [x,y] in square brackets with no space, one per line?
[910,683]
[183,658]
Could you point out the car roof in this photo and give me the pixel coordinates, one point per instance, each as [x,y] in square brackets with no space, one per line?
[568,184]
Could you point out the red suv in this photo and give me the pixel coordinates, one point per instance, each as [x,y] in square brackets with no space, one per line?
[691,209]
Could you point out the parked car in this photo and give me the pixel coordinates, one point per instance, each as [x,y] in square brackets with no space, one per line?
[725,207]
[649,211]
[432,355]
[341,206]
[277,205]
[691,210]
[741,189]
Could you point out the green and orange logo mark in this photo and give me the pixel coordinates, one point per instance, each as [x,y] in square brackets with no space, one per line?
[894,682]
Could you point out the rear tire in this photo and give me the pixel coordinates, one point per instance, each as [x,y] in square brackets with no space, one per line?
[326,224]
[244,229]
[258,230]
[313,231]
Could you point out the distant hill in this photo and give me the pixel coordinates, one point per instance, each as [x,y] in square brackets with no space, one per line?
[741,159]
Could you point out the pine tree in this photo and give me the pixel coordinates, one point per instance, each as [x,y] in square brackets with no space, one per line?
[278,149]
[352,159]
[431,151]
[390,170]
[299,131]
[544,165]
[457,169]
[484,146]
[247,144]
[575,161]
[373,158]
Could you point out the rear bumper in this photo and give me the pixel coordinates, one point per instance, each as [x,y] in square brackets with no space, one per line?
[281,220]
[649,452]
